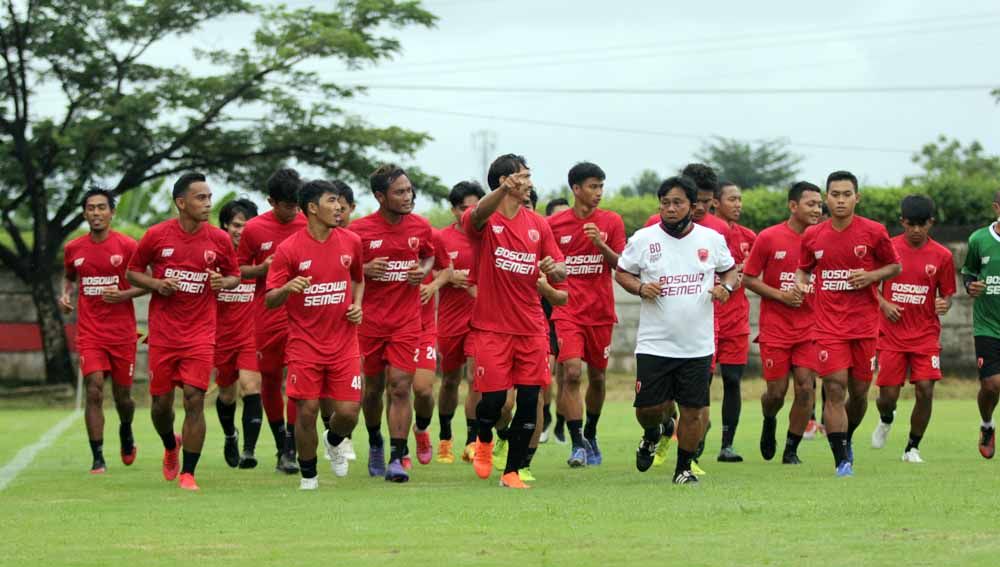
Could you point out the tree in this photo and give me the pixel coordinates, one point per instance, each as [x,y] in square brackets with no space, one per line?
[948,157]
[767,163]
[646,183]
[125,122]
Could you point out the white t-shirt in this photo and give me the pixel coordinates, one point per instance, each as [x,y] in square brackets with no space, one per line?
[679,323]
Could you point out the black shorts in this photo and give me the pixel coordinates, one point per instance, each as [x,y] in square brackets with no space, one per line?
[683,380]
[988,356]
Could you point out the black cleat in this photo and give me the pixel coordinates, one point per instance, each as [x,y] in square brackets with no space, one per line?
[231,449]
[790,459]
[728,455]
[685,477]
[286,464]
[644,455]
[559,432]
[768,444]
[98,467]
[248,460]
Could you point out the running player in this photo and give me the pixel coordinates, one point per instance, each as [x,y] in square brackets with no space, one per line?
[981,278]
[260,239]
[672,267]
[733,351]
[515,248]
[591,239]
[554,206]
[189,262]
[786,344]
[235,353]
[454,252]
[95,265]
[398,254]
[910,328]
[849,255]
[317,273]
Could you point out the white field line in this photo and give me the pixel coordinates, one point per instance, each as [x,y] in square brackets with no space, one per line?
[25,456]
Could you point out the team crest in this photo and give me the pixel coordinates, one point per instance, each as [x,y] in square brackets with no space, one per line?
[930,270]
[414,242]
[345,260]
[703,254]
[116,260]
[979,362]
[769,363]
[209,256]
[638,386]
[480,372]
[453,254]
[533,235]
[823,356]
[744,247]
[860,250]
[78,262]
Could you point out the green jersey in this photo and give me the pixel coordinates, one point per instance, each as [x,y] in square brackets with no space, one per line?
[983,262]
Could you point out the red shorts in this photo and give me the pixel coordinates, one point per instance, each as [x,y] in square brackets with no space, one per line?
[427,357]
[504,361]
[271,356]
[892,366]
[778,361]
[733,350]
[229,362]
[855,355]
[178,367]
[592,344]
[118,361]
[399,351]
[340,381]
[453,351]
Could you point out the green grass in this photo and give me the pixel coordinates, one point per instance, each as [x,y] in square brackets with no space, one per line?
[755,513]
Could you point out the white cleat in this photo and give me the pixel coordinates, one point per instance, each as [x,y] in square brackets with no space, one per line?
[544,437]
[337,457]
[309,483]
[880,434]
[348,449]
[912,456]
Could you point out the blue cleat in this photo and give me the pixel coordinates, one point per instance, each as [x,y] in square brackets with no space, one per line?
[845,469]
[594,456]
[396,472]
[376,461]
[578,457]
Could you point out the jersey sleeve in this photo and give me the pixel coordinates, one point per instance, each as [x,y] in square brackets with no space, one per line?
[973,262]
[632,259]
[247,249]
[281,268]
[227,260]
[885,252]
[616,236]
[357,265]
[427,244]
[807,255]
[441,258]
[68,265]
[144,252]
[724,258]
[548,243]
[946,272]
[757,260]
[653,219]
[470,228]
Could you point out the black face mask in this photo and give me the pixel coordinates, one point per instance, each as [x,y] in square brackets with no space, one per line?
[676,229]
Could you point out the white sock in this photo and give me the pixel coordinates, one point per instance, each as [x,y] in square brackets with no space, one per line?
[989,424]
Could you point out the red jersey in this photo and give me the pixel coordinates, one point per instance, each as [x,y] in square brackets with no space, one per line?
[186,317]
[928,273]
[95,266]
[840,310]
[734,315]
[588,275]
[428,311]
[774,258]
[508,253]
[318,329]
[454,248]
[235,308]
[261,237]
[391,304]
[708,221]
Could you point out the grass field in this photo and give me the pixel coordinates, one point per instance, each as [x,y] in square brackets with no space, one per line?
[754,513]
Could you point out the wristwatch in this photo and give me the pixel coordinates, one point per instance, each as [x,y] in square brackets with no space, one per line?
[728,287]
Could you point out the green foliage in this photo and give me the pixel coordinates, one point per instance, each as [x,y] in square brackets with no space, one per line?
[633,210]
[646,183]
[946,157]
[763,208]
[767,163]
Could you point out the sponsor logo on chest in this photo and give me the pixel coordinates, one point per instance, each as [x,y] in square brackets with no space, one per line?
[564,239]
[374,244]
[780,254]
[304,265]
[497,229]
[167,252]
[453,254]
[266,245]
[78,262]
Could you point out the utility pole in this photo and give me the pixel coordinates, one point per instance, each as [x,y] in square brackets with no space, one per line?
[484,143]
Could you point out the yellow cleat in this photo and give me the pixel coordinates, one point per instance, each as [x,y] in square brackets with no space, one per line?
[469,453]
[500,454]
[526,475]
[444,454]
[698,471]
[660,456]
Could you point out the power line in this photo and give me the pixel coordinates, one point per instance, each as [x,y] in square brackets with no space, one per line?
[684,91]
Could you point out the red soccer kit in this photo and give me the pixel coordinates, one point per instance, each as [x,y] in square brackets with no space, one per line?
[454,248]
[234,339]
[846,318]
[182,324]
[427,357]
[734,315]
[106,333]
[913,342]
[785,335]
[390,331]
[584,324]
[511,338]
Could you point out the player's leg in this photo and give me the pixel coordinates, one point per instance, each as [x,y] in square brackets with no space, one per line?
[472,399]
[525,471]
[652,403]
[771,401]
[125,406]
[447,405]
[732,406]
[573,410]
[225,408]
[835,416]
[689,380]
[989,394]
[798,416]
[919,419]
[306,441]
[399,385]
[522,428]
[597,348]
[371,407]
[860,375]
[423,405]
[93,417]
[193,431]
[163,369]
[501,446]
[345,418]
[888,395]
[559,427]
[253,414]
[548,395]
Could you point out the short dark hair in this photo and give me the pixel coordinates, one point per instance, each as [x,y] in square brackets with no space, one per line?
[507,164]
[311,191]
[553,204]
[916,209]
[96,191]
[185,181]
[345,191]
[283,185]
[798,188]
[533,197]
[703,176]
[241,206]
[384,176]
[463,189]
[842,175]
[584,171]
[684,182]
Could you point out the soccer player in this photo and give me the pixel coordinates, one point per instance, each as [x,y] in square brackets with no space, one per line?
[317,274]
[672,267]
[590,239]
[849,255]
[454,251]
[554,206]
[785,337]
[95,265]
[514,249]
[260,239]
[398,254]
[981,278]
[189,262]
[733,351]
[910,328]
[235,352]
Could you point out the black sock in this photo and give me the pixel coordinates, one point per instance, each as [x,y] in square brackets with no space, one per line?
[326,420]
[546,416]
[470,431]
[560,421]
[126,437]
[97,449]
[590,430]
[375,436]
[253,417]
[189,462]
[838,445]
[333,439]
[278,431]
[530,454]
[684,459]
[792,443]
[914,442]
[422,423]
[652,434]
[308,467]
[169,441]
[732,401]
[851,428]
[397,449]
[669,426]
[575,427]
[504,434]
[290,439]
[227,416]
[887,417]
[444,422]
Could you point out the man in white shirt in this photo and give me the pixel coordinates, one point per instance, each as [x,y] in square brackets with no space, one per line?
[672,266]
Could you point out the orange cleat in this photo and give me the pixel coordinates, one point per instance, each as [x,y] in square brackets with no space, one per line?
[444,454]
[187,482]
[987,442]
[482,462]
[469,453]
[512,480]
[129,458]
[407,463]
[425,448]
[172,461]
